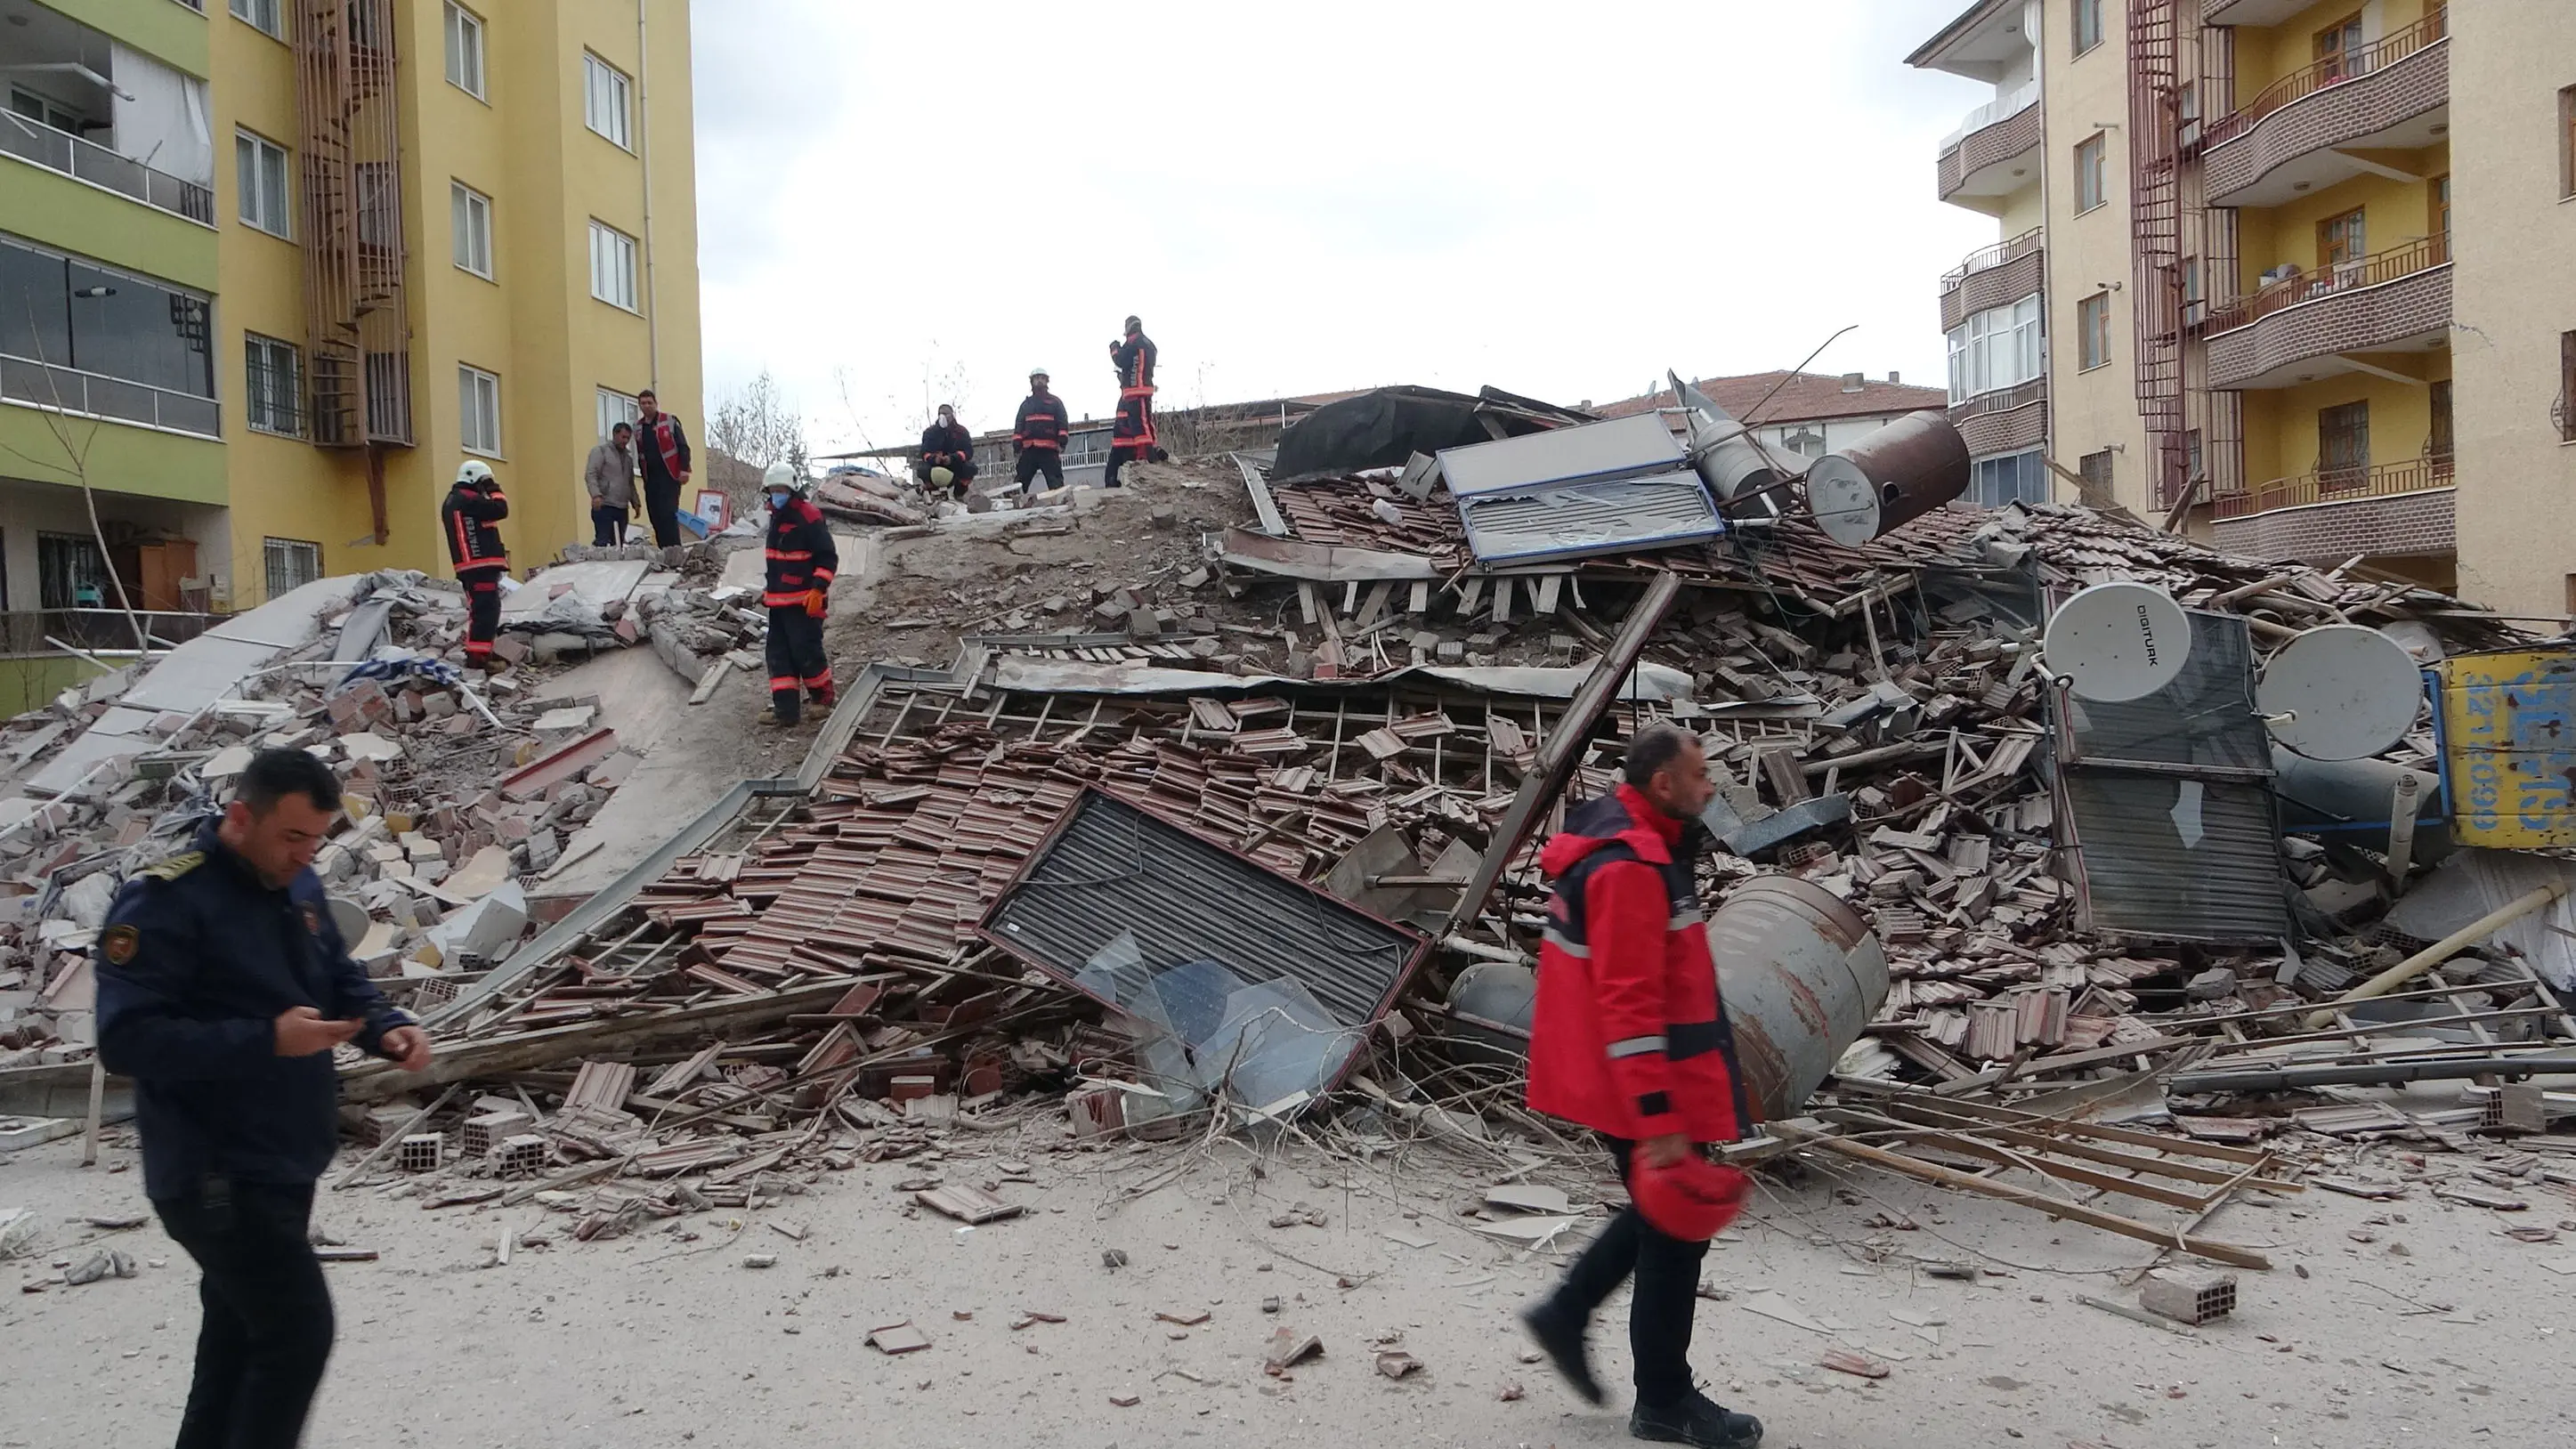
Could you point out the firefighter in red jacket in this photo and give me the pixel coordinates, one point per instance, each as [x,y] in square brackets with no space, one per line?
[1131,437]
[947,447]
[1629,1038]
[801,563]
[1038,434]
[474,547]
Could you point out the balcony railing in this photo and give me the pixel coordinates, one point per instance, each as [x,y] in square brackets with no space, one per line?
[25,633]
[2334,485]
[1986,259]
[2334,70]
[2002,107]
[41,145]
[2416,256]
[91,395]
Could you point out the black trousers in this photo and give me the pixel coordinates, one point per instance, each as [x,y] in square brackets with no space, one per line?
[796,662]
[607,526]
[1131,436]
[662,505]
[1659,1310]
[268,1326]
[960,475]
[482,614]
[1034,461]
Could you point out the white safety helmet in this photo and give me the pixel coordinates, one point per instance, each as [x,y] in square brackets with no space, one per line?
[779,478]
[474,472]
[1040,372]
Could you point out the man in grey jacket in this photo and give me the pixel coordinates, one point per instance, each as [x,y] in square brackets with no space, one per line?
[610,477]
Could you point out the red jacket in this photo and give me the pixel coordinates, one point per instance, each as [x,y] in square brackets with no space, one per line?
[801,556]
[1628,1036]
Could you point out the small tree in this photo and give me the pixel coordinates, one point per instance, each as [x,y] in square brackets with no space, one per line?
[757,424]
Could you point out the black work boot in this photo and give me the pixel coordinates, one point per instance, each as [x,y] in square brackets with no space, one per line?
[1560,1336]
[1697,1420]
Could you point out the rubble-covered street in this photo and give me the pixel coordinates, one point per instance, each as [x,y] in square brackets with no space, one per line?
[1128,983]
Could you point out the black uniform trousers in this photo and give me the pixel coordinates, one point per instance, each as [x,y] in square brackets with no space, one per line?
[267,1327]
[796,662]
[1034,461]
[1660,1309]
[607,526]
[662,506]
[482,613]
[1131,436]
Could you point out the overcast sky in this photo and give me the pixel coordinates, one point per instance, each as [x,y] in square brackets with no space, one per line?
[900,203]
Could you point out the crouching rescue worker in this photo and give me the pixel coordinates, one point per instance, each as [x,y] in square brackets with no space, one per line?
[947,448]
[1629,1038]
[801,562]
[222,988]
[474,547]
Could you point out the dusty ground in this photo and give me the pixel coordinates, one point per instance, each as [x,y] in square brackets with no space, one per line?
[2440,1331]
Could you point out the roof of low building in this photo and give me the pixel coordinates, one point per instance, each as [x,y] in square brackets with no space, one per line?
[1793,397]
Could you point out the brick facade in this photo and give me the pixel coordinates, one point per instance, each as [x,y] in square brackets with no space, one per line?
[1987,145]
[2337,115]
[2329,533]
[1996,286]
[2004,430]
[2360,320]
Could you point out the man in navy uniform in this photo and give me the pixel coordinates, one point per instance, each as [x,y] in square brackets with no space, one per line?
[222,988]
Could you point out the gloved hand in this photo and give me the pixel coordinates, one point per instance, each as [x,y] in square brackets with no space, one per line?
[817,603]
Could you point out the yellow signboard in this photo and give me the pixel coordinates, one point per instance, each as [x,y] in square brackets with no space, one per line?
[2509,747]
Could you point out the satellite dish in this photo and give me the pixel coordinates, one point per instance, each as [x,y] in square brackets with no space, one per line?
[1844,501]
[2343,692]
[351,918]
[2116,642]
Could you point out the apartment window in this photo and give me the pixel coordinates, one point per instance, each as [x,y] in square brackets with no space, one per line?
[2438,444]
[2340,239]
[70,572]
[273,374]
[2090,184]
[470,211]
[1998,348]
[2013,478]
[266,16]
[478,411]
[2093,331]
[2338,48]
[259,173]
[604,89]
[614,408]
[291,563]
[612,266]
[2088,24]
[2567,142]
[36,108]
[2095,470]
[464,50]
[2343,445]
[379,205]
[116,324]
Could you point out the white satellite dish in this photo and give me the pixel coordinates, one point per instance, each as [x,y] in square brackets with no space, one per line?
[2343,692]
[2115,642]
[1844,501]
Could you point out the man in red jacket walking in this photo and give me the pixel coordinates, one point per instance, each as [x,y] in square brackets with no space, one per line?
[1628,1037]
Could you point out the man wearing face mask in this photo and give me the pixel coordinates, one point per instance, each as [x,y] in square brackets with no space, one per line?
[223,987]
[801,563]
[946,445]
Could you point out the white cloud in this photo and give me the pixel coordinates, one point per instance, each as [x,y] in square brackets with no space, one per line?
[1557,200]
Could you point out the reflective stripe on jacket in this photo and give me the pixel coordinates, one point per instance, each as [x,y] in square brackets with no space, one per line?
[801,555]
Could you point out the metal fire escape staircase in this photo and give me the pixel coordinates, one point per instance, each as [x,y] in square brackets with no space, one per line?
[2155,211]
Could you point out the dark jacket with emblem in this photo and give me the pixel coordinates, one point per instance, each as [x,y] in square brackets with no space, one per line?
[1628,1035]
[198,960]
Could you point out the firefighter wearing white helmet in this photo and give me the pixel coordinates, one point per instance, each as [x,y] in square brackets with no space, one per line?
[947,454]
[1038,434]
[474,547]
[801,563]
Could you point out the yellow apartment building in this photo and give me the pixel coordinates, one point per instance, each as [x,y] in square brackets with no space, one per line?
[271,269]
[2273,315]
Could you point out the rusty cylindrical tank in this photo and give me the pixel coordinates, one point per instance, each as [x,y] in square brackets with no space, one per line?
[1913,465]
[1802,974]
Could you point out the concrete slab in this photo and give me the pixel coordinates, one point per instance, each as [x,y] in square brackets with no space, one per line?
[597,581]
[199,672]
[291,620]
[745,568]
[120,720]
[65,772]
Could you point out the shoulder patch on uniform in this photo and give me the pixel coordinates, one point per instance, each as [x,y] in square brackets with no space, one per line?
[119,944]
[176,866]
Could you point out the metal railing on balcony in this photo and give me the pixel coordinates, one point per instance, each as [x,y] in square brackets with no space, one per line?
[2334,485]
[2002,401]
[1985,259]
[41,145]
[92,395]
[44,631]
[2003,107]
[2421,255]
[2334,70]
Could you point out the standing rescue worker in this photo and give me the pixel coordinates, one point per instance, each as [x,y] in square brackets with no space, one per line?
[1629,1038]
[1131,437]
[609,478]
[474,547]
[664,451]
[946,444]
[222,988]
[801,563]
[1038,434]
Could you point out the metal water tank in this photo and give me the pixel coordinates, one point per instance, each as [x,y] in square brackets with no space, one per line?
[1802,974]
